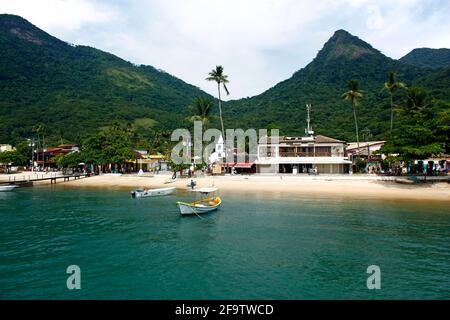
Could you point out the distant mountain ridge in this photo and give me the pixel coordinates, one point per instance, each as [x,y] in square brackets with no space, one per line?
[74,90]
[322,82]
[426,57]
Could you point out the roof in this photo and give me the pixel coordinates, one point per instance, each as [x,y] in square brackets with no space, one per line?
[354,145]
[325,139]
[315,139]
[240,165]
[68,145]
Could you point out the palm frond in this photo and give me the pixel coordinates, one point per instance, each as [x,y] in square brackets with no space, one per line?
[225,87]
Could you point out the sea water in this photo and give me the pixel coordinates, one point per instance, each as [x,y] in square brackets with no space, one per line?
[256,246]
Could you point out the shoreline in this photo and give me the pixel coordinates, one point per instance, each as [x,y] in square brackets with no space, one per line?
[356,187]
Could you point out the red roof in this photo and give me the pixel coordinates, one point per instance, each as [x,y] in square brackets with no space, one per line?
[68,145]
[244,165]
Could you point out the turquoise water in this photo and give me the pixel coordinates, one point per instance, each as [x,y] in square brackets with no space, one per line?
[256,247]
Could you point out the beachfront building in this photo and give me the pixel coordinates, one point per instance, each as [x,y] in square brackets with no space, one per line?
[308,154]
[368,149]
[45,157]
[295,155]
[6,147]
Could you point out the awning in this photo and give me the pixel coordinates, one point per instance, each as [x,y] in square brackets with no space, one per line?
[241,165]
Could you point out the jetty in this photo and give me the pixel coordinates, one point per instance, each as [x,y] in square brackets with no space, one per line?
[26,180]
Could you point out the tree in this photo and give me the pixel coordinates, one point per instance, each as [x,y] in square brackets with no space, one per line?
[391,86]
[220,78]
[19,156]
[416,100]
[201,109]
[111,145]
[423,128]
[70,160]
[354,95]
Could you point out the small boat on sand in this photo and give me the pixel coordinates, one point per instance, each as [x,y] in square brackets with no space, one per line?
[170,181]
[141,193]
[210,203]
[6,188]
[404,181]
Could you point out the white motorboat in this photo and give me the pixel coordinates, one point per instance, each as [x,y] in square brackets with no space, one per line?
[9,187]
[142,193]
[208,204]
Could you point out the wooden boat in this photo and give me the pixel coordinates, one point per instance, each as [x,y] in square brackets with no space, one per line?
[141,193]
[404,181]
[205,205]
[6,188]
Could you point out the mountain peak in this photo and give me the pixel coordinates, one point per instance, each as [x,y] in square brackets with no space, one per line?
[427,57]
[344,45]
[24,30]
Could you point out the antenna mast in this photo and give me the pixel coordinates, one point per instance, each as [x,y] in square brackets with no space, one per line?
[309,129]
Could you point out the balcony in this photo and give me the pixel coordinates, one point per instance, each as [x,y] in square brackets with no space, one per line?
[308,154]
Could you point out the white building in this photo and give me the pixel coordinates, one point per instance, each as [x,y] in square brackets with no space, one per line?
[219,152]
[303,155]
[6,147]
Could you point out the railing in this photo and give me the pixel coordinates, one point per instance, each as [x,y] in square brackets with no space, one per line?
[42,177]
[304,154]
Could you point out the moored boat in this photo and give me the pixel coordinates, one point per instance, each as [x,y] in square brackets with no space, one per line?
[205,205]
[8,187]
[142,193]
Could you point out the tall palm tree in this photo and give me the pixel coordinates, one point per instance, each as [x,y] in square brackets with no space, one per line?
[201,109]
[354,95]
[391,86]
[220,78]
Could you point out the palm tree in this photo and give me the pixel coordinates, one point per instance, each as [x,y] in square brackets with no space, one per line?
[201,109]
[354,95]
[218,76]
[416,99]
[391,86]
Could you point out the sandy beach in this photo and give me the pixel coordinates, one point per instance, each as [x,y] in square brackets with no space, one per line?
[361,187]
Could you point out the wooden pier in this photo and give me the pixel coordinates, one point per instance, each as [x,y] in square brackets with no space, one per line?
[27,180]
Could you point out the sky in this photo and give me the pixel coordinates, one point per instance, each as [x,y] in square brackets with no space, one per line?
[258,42]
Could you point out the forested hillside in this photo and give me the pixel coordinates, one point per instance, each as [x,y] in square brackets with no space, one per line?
[73,90]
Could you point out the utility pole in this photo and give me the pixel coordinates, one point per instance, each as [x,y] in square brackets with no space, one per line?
[32,154]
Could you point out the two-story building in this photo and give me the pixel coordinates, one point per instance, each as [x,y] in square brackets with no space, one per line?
[302,155]
[307,154]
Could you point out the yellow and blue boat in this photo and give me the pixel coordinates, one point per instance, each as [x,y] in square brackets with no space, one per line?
[205,205]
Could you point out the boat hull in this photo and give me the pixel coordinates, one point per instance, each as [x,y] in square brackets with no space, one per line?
[199,207]
[152,192]
[7,188]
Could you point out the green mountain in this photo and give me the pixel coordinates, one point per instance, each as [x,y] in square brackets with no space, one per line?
[322,83]
[426,57]
[74,90]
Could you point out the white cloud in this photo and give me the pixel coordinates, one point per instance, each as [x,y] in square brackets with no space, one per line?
[60,15]
[259,42]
